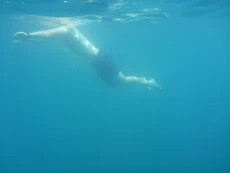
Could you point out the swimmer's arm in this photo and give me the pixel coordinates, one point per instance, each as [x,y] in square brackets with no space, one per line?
[69,34]
[56,33]
[52,34]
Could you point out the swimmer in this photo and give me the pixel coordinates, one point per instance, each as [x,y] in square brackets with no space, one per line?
[76,42]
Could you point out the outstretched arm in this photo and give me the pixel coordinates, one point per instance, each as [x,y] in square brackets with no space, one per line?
[67,34]
[52,34]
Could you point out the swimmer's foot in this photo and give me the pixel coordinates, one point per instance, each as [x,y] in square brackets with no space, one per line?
[138,80]
[152,83]
[20,37]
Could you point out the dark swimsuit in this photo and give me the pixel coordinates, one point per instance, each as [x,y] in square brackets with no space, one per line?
[106,69]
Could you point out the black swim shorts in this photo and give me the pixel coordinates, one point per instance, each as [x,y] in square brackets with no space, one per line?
[105,68]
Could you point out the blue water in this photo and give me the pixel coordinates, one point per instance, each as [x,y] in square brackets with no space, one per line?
[57,116]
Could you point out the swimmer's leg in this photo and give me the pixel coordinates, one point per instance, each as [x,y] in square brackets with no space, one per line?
[137,81]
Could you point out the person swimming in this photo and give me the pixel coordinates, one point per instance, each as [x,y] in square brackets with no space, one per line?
[100,62]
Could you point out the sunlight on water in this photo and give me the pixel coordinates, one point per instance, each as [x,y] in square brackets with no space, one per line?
[52,21]
[123,11]
[82,12]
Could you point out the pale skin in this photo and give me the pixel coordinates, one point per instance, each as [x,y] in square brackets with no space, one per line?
[76,42]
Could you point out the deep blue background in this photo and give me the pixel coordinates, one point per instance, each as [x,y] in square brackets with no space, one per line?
[56,115]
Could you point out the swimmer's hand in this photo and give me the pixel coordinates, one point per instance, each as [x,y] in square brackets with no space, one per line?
[20,37]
